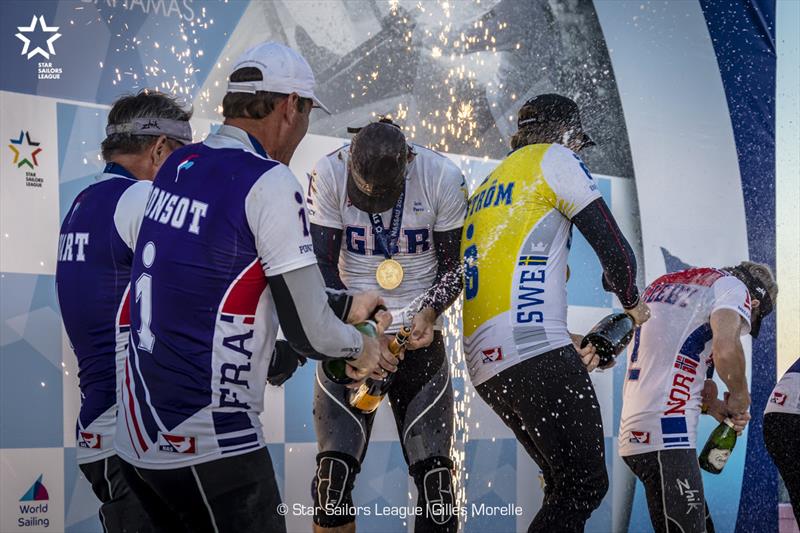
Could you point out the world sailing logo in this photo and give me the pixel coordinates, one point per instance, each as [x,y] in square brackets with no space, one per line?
[31,513]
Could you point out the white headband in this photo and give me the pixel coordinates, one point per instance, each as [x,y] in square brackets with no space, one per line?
[180,130]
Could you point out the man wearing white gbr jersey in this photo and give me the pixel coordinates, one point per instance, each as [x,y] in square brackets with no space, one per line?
[394,212]
[695,313]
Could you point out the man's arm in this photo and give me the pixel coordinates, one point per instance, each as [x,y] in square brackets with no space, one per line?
[450,205]
[448,282]
[284,247]
[327,244]
[578,198]
[300,299]
[729,361]
[597,224]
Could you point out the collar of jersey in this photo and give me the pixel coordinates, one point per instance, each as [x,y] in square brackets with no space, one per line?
[250,143]
[118,170]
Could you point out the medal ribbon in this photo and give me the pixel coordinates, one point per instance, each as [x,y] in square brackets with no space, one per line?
[387,239]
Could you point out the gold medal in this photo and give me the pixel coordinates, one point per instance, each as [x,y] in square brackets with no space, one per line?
[389,274]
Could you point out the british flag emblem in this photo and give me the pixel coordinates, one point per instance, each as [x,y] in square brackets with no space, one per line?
[686,364]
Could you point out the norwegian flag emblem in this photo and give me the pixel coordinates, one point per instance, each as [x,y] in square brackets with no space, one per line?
[778,398]
[640,437]
[686,364]
[492,355]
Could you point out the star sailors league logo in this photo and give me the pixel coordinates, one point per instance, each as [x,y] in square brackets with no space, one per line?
[40,42]
[25,151]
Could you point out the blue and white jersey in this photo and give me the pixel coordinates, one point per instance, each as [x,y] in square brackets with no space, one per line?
[221,219]
[785,396]
[95,252]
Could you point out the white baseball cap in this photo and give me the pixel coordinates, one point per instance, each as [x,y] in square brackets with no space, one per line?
[283,71]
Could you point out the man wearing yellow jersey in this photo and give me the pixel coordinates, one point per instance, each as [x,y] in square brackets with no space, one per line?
[519,353]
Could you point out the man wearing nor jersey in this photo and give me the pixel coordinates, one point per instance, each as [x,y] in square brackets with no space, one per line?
[224,255]
[782,432]
[519,353]
[95,252]
[387,215]
[695,313]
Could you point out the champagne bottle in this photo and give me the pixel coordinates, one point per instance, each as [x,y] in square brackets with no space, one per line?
[718,448]
[610,336]
[336,369]
[369,395]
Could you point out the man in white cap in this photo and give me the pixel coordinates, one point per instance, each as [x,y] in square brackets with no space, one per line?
[224,257]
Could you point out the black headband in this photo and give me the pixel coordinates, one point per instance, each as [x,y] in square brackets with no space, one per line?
[756,288]
[383,120]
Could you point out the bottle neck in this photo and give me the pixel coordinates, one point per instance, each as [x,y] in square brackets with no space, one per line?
[399,340]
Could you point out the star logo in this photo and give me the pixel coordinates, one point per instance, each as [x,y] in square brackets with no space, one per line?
[27,42]
[33,148]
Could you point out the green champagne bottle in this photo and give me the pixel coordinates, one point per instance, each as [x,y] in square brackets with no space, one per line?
[335,369]
[718,448]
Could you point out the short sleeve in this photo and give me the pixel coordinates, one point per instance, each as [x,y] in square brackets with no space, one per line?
[323,199]
[730,293]
[452,199]
[129,212]
[570,180]
[276,213]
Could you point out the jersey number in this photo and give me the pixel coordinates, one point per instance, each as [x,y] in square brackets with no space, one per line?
[144,298]
[302,212]
[471,272]
[633,370]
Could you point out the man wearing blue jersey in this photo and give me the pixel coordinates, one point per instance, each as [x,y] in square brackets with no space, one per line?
[224,257]
[95,252]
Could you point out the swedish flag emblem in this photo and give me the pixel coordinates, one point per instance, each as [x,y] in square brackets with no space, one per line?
[528,260]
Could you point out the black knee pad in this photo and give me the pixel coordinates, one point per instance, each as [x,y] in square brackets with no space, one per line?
[332,489]
[436,495]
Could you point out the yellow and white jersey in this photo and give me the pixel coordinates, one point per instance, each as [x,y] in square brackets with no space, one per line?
[515,244]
